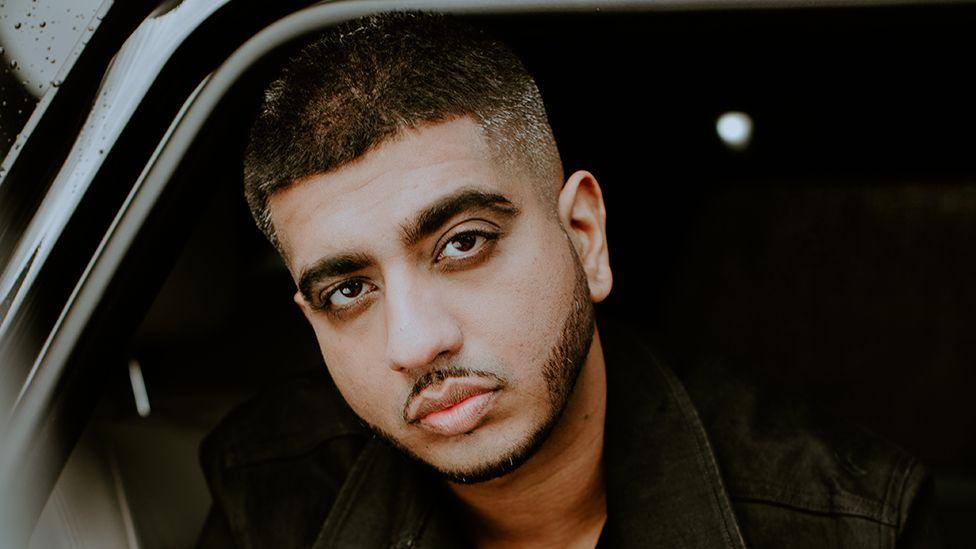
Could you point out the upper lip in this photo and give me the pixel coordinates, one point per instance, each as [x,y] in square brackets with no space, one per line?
[446,394]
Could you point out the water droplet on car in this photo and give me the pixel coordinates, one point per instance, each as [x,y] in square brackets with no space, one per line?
[55,83]
[43,24]
[13,63]
[17,25]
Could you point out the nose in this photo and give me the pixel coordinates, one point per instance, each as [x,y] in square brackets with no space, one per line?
[419,326]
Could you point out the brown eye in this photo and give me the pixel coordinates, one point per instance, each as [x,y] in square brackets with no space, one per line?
[465,242]
[347,293]
[352,289]
[461,244]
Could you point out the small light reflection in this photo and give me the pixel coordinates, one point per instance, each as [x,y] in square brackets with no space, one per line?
[139,388]
[735,130]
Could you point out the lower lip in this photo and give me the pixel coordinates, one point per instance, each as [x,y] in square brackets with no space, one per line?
[461,418]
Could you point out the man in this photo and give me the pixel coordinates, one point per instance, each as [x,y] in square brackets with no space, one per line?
[404,168]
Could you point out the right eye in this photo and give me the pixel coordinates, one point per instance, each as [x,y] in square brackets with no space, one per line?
[346,294]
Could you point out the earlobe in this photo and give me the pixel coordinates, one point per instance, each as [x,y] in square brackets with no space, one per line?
[583,216]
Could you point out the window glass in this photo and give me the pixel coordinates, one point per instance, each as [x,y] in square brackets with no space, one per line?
[36,39]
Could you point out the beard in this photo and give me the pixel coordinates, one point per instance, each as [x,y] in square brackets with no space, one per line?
[560,372]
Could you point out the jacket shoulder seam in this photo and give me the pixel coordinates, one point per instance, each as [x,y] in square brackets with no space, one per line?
[836,502]
[800,507]
[913,470]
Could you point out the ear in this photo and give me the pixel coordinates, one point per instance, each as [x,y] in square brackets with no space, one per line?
[584,217]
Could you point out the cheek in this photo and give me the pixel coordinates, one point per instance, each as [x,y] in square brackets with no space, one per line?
[361,376]
[518,305]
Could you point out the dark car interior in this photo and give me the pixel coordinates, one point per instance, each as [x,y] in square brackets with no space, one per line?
[834,255]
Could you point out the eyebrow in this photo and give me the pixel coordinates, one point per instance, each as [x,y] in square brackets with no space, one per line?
[426,222]
[434,216]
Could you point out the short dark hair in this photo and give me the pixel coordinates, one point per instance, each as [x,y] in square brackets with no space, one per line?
[364,81]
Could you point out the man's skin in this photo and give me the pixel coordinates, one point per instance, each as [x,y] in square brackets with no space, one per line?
[496,304]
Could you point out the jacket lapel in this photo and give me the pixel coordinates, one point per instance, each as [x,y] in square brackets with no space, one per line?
[664,488]
[386,501]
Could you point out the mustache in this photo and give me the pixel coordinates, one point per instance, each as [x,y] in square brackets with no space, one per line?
[438,375]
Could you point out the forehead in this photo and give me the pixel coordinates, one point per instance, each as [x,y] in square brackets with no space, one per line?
[373,196]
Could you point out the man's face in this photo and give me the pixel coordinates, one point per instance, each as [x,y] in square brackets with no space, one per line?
[448,302]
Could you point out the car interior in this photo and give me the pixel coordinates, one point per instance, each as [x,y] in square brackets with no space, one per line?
[831,251]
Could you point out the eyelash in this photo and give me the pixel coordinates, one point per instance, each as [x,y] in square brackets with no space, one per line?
[491,237]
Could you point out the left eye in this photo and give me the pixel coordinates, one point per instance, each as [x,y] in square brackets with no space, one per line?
[346,294]
[462,244]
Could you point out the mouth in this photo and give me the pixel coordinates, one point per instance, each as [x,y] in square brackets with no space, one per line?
[454,407]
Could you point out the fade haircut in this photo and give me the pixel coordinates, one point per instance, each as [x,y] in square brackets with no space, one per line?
[363,82]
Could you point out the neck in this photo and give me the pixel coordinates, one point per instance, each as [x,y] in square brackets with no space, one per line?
[557,498]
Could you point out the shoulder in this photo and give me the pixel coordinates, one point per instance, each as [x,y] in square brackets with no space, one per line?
[793,470]
[283,420]
[275,464]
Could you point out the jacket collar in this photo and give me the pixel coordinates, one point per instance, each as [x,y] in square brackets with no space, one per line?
[663,483]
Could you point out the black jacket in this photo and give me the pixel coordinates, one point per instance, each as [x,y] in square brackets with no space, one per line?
[701,458]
